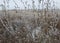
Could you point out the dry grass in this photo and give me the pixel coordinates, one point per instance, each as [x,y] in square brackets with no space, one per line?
[22,29]
[29,26]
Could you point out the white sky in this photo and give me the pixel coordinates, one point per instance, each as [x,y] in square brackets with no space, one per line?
[57,3]
[11,3]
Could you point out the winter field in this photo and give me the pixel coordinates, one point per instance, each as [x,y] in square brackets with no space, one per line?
[29,21]
[29,27]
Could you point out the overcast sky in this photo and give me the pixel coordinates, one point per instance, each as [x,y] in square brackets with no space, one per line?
[11,3]
[57,3]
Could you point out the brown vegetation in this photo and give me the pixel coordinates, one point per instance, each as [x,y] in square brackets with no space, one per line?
[31,25]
